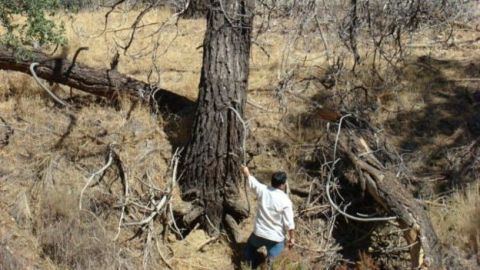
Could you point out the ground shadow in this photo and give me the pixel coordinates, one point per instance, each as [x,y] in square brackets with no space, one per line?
[449,116]
[238,255]
[178,113]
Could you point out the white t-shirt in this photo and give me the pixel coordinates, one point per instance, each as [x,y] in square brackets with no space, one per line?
[274,212]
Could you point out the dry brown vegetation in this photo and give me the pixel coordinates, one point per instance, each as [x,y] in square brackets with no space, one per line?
[426,107]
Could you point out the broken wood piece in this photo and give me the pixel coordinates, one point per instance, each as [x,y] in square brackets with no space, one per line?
[158,207]
[369,154]
[233,228]
[210,240]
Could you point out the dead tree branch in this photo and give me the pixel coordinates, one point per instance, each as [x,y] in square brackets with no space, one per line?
[382,183]
[35,77]
[90,179]
[100,82]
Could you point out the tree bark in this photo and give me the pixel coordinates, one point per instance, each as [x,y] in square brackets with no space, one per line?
[100,82]
[385,187]
[196,9]
[213,156]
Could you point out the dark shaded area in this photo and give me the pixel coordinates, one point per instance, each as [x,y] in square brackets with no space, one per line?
[178,115]
[354,236]
[449,119]
[238,255]
[5,133]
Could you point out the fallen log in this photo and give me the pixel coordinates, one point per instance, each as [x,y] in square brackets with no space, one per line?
[107,83]
[387,190]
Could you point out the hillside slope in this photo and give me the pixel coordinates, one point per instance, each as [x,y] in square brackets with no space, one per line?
[56,213]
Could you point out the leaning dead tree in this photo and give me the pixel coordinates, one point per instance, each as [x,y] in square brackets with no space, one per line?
[108,83]
[374,175]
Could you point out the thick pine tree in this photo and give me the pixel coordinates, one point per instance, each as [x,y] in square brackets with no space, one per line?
[212,158]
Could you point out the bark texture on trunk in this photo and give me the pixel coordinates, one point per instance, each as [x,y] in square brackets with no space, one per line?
[214,153]
[100,82]
[196,9]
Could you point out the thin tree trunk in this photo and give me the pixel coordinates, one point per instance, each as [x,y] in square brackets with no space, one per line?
[214,153]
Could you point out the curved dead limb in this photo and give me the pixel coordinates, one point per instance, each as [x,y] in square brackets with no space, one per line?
[332,168]
[167,263]
[176,158]
[162,203]
[158,207]
[184,8]
[124,178]
[37,80]
[89,180]
[357,218]
[208,241]
[74,60]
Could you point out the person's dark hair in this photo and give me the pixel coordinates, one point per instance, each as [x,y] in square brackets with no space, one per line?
[278,179]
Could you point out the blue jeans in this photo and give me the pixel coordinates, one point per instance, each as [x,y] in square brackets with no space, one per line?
[254,243]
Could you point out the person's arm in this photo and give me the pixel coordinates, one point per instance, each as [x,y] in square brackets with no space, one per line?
[289,224]
[291,238]
[252,181]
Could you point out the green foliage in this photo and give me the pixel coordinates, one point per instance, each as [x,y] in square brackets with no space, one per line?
[28,22]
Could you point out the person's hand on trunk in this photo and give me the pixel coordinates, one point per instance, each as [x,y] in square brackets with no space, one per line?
[245,170]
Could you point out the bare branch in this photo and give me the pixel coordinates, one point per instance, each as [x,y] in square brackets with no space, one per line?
[90,179]
[37,80]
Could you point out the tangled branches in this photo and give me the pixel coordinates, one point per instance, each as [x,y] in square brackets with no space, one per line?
[386,21]
[140,212]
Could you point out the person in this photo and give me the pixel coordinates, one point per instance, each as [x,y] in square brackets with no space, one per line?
[273,221]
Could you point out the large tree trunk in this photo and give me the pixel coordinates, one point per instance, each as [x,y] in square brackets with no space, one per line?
[101,82]
[212,158]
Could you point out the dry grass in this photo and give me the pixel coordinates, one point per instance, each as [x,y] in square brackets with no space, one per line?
[7,260]
[45,164]
[52,151]
[189,256]
[76,239]
[179,54]
[458,222]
